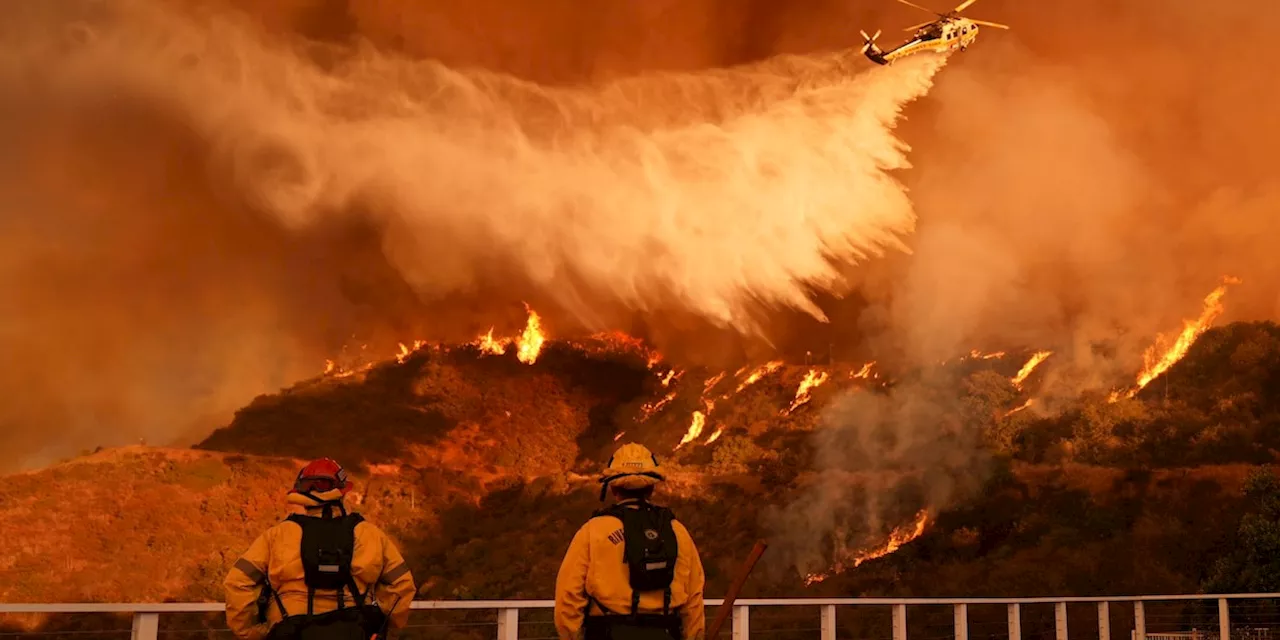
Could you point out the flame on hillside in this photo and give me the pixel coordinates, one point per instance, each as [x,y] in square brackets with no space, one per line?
[1021,407]
[712,382]
[529,344]
[864,372]
[1154,365]
[758,373]
[1030,366]
[649,408]
[812,380]
[488,345]
[619,342]
[898,537]
[405,351]
[699,420]
[695,428]
[978,355]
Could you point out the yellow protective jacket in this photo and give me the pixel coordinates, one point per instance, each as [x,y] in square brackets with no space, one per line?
[277,556]
[595,566]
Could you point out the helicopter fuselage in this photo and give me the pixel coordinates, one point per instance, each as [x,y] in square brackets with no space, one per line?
[946,35]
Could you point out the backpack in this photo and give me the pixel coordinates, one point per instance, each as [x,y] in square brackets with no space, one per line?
[650,549]
[327,548]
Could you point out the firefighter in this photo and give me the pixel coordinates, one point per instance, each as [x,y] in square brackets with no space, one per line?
[322,569]
[632,570]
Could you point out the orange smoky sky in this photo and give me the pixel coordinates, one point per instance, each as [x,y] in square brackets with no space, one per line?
[204,209]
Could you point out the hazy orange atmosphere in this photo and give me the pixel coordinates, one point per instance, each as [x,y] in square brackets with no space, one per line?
[202,202]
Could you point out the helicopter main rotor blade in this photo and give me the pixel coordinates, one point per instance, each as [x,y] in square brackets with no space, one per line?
[964,5]
[922,24]
[912,4]
[989,24]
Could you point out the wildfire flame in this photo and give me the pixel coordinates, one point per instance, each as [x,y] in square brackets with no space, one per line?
[812,380]
[671,376]
[1030,366]
[864,372]
[898,537]
[488,345]
[978,355]
[711,383]
[649,408]
[695,428]
[1154,366]
[1014,410]
[405,351]
[529,344]
[759,372]
[715,436]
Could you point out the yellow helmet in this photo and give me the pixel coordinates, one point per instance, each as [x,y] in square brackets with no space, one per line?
[632,466]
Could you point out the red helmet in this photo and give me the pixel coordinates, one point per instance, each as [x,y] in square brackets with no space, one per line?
[321,476]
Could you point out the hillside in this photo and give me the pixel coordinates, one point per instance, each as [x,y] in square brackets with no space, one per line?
[481,466]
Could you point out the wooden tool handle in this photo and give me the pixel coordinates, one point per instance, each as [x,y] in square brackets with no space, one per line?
[734,588]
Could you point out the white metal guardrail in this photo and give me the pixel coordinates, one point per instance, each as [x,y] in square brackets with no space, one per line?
[146,617]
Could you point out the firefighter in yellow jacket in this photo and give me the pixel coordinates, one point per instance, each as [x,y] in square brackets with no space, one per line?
[632,566]
[319,571]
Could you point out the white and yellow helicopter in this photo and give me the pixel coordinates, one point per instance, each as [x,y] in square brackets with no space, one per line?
[948,33]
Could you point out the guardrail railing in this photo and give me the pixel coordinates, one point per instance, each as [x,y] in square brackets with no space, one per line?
[146,616]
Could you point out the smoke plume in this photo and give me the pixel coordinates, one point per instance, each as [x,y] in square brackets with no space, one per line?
[1083,178]
[1083,181]
[714,194]
[879,459]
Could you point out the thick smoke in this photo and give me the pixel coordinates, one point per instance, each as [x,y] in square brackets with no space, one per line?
[1083,181]
[879,460]
[1026,234]
[588,198]
[713,194]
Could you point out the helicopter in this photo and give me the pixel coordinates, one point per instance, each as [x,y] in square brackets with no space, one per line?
[948,33]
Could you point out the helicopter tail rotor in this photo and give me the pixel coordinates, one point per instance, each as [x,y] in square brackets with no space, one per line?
[869,42]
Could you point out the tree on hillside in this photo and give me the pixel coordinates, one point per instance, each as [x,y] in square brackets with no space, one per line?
[988,398]
[1254,563]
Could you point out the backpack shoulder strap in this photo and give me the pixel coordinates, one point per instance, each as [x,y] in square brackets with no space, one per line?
[611,510]
[666,530]
[353,520]
[303,522]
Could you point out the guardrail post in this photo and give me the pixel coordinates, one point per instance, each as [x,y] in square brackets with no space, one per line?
[741,621]
[962,621]
[1015,622]
[508,624]
[828,622]
[146,626]
[1224,620]
[1139,621]
[1060,619]
[899,622]
[1104,621]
